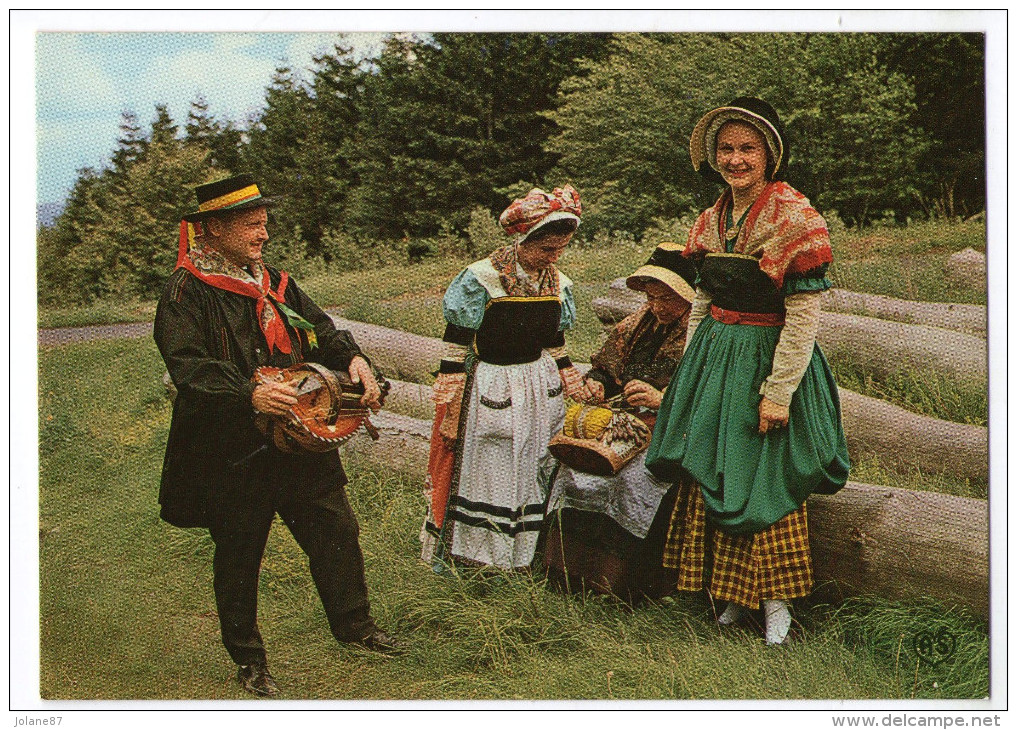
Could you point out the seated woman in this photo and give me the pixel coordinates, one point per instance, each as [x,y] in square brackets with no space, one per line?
[499,394]
[602,532]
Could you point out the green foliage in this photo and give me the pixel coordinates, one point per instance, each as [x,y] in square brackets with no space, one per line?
[673,230]
[299,145]
[483,232]
[102,311]
[449,122]
[622,123]
[373,157]
[344,252]
[952,182]
[223,140]
[626,123]
[118,236]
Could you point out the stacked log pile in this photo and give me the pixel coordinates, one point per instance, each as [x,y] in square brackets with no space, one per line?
[866,539]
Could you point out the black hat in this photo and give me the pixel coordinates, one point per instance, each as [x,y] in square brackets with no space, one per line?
[668,266]
[226,196]
[748,109]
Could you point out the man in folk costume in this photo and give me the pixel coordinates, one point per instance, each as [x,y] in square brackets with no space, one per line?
[223,314]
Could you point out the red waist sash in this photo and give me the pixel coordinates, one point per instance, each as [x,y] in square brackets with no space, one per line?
[760,319]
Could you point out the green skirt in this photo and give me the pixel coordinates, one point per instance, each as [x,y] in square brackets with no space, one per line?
[708,426]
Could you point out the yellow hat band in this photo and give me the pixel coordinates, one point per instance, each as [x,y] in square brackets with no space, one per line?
[230,199]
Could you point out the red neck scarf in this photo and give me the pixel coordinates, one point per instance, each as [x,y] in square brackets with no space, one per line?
[212,268]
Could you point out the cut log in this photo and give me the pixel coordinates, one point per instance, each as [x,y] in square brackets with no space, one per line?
[879,345]
[970,318]
[906,440]
[866,539]
[967,267]
[884,346]
[400,355]
[617,304]
[901,545]
[403,444]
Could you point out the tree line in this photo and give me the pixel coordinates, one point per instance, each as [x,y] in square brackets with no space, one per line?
[432,138]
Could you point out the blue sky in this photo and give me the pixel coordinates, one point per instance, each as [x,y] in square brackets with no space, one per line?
[85,80]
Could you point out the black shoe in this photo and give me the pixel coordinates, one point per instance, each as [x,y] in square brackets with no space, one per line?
[255,678]
[381,642]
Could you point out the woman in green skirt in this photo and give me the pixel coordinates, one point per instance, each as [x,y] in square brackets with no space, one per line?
[750,425]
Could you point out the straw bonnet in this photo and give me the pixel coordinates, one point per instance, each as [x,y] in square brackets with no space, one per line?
[668,266]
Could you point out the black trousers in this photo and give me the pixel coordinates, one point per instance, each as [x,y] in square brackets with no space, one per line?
[325,529]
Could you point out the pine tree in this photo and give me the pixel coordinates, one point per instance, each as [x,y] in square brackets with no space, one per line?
[450,121]
[223,140]
[327,175]
[278,137]
[164,130]
[130,146]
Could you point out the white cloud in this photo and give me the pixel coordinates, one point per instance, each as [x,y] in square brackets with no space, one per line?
[232,81]
[70,82]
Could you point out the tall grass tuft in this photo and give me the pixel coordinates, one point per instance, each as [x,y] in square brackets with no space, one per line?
[933,651]
[921,391]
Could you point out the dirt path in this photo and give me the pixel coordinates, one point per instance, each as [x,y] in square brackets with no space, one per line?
[70,335]
[50,337]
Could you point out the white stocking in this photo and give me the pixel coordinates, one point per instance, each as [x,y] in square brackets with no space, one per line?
[778,620]
[731,614]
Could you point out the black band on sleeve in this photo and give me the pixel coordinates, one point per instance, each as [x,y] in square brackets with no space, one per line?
[449,367]
[563,362]
[459,335]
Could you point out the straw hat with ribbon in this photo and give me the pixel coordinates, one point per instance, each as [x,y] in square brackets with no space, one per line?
[225,196]
[668,266]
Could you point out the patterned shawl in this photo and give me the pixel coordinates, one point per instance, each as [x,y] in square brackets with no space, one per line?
[782,230]
[212,268]
[615,357]
[504,262]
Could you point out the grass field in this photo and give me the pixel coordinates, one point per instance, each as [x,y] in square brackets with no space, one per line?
[127,610]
